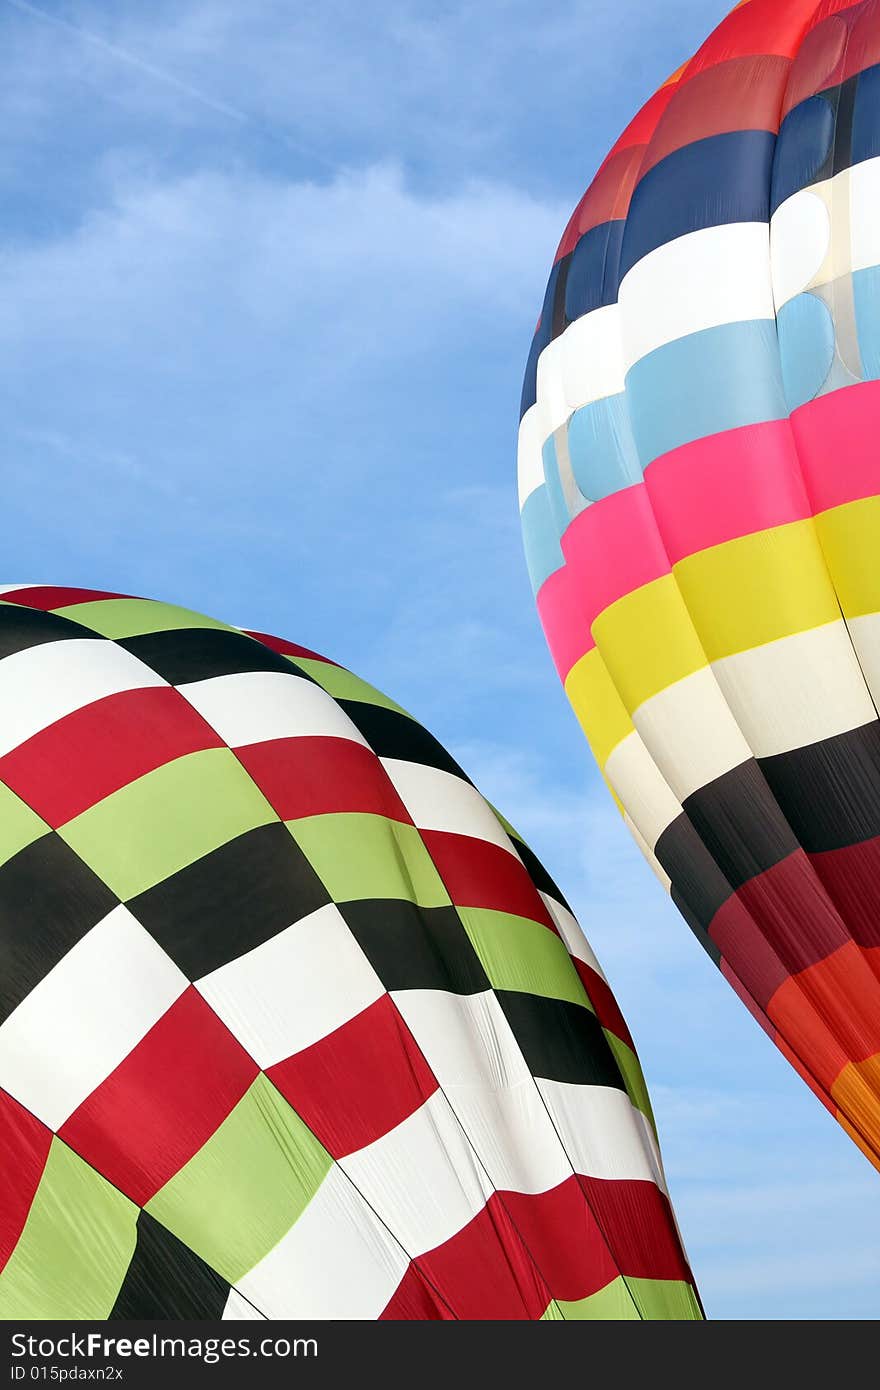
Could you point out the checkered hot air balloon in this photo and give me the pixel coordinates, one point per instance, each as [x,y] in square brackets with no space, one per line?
[292,1023]
[700,489]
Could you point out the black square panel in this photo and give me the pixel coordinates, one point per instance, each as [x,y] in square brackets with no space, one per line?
[49,900]
[198,654]
[165,1279]
[231,900]
[412,947]
[560,1040]
[21,628]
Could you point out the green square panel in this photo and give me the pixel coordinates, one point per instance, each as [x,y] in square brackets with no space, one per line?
[366,856]
[133,617]
[246,1186]
[631,1299]
[75,1248]
[342,685]
[631,1071]
[19,825]
[519,954]
[167,819]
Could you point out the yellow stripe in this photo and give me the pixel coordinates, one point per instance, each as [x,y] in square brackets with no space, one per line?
[758,588]
[648,641]
[597,704]
[850,537]
[856,1091]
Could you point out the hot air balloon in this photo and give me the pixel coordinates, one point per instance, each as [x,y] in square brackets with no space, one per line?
[700,491]
[292,1023]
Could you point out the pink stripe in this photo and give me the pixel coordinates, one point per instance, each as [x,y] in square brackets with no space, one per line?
[727,485]
[610,549]
[613,548]
[562,618]
[838,441]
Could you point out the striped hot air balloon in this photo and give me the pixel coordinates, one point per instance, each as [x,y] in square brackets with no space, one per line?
[699,473]
[292,1023]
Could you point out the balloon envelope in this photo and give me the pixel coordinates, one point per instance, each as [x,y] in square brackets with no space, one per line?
[700,492]
[292,1024]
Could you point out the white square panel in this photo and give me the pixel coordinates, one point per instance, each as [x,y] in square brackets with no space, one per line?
[422,1179]
[42,684]
[569,929]
[473,1053]
[253,706]
[337,1261]
[238,1309]
[439,800]
[295,988]
[465,1038]
[604,1135]
[85,1016]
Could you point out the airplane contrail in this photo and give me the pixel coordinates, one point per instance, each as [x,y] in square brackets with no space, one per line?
[196,94]
[221,107]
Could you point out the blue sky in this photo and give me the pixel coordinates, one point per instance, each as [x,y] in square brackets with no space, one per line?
[268,275]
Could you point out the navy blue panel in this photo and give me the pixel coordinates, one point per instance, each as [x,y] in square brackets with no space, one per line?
[843,124]
[866,117]
[594,272]
[805,142]
[530,380]
[544,334]
[709,183]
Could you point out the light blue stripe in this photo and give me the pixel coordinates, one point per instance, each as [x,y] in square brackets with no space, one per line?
[555,495]
[540,538]
[806,347]
[866,293]
[602,449]
[718,379]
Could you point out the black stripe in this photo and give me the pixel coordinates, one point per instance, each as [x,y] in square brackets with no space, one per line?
[49,900]
[165,1279]
[21,628]
[830,791]
[698,885]
[231,900]
[412,947]
[197,654]
[393,735]
[559,1040]
[738,820]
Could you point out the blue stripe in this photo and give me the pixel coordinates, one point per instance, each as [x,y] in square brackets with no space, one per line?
[723,179]
[806,140]
[594,270]
[555,495]
[543,551]
[866,117]
[543,335]
[806,347]
[718,379]
[866,292]
[603,453]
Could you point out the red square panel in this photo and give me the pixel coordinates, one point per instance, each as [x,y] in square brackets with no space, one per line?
[485,1272]
[319,776]
[285,648]
[565,1239]
[24,1148]
[164,1101]
[359,1082]
[84,757]
[45,597]
[479,874]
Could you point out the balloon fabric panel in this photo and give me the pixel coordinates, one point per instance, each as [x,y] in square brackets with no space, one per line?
[292,1024]
[706,572]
